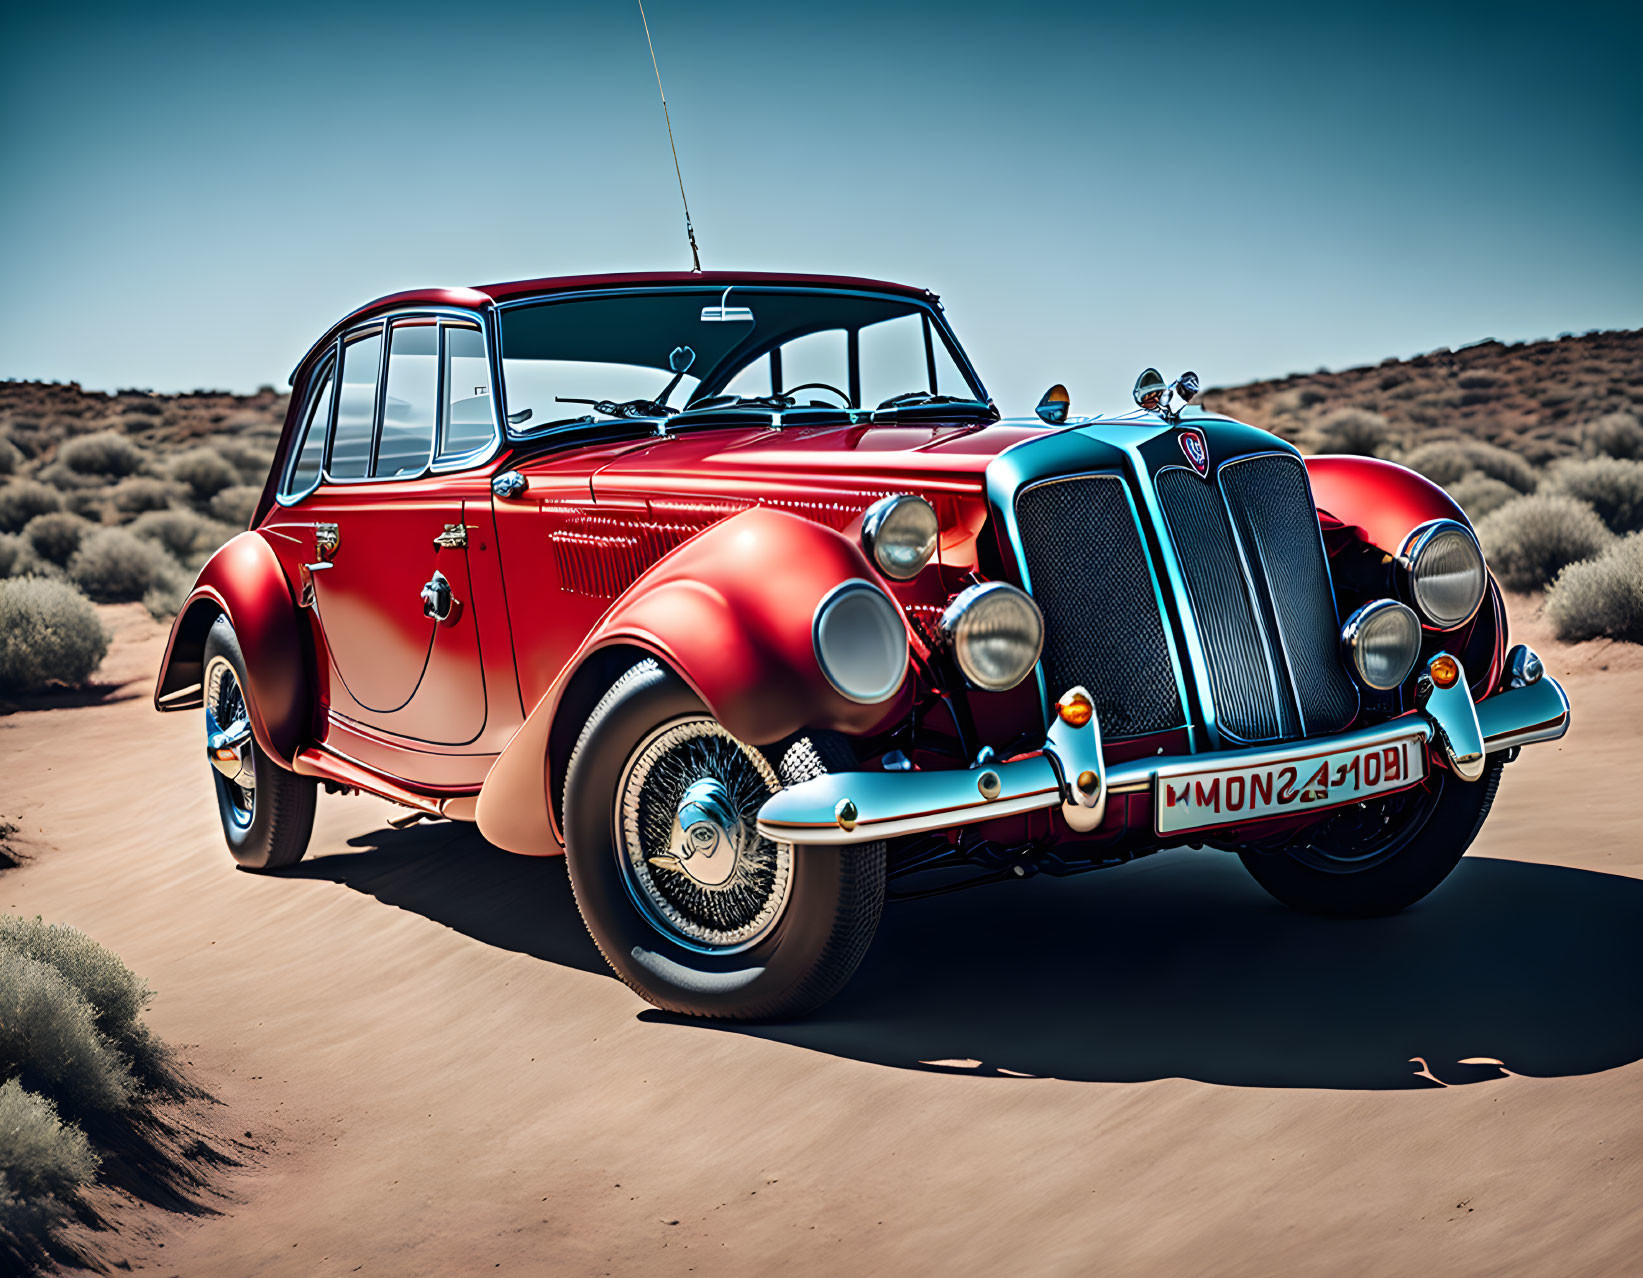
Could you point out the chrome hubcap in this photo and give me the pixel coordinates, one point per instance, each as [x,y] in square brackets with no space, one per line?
[689,847]
[708,836]
[228,743]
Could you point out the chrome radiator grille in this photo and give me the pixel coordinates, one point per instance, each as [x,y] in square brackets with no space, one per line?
[1259,590]
[1087,569]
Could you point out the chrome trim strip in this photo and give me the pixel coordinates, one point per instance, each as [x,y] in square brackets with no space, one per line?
[1012,473]
[435,464]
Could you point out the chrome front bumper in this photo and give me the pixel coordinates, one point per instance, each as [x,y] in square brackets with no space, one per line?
[1069,772]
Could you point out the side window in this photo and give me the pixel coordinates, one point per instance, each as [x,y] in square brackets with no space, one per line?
[311,450]
[356,407]
[466,422]
[411,400]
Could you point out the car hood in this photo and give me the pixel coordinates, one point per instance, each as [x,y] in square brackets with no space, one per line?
[926,456]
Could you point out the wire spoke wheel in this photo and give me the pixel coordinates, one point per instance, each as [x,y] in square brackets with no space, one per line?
[225,706]
[687,839]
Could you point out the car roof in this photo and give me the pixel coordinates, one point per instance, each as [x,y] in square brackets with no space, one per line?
[471,298]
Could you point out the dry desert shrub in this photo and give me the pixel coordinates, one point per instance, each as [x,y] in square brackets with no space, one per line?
[10,457]
[49,633]
[1479,495]
[1613,435]
[115,994]
[1609,485]
[107,453]
[112,566]
[204,472]
[1601,598]
[56,536]
[1445,461]
[1352,430]
[236,505]
[1527,541]
[250,460]
[44,1162]
[12,552]
[23,499]
[140,493]
[184,534]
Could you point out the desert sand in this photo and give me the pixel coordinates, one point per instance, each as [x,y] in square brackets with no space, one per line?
[426,1068]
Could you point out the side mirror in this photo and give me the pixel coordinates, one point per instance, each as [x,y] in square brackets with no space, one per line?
[1150,389]
[1186,386]
[726,314]
[1053,408]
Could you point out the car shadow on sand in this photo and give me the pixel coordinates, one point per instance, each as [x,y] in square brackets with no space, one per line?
[446,872]
[1175,966]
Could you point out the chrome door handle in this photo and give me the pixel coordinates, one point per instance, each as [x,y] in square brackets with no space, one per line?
[437,600]
[455,537]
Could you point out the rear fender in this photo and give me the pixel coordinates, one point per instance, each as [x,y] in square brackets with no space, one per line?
[243,581]
[731,612]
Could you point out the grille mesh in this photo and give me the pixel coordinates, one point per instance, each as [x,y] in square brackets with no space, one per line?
[1088,572]
[1239,676]
[1272,503]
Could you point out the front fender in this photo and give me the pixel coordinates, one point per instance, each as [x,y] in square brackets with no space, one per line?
[1382,499]
[244,581]
[731,612]
[1381,503]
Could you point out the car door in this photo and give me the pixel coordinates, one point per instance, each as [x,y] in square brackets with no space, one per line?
[383,542]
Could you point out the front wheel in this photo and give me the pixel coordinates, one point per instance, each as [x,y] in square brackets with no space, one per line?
[1381,856]
[267,812]
[689,904]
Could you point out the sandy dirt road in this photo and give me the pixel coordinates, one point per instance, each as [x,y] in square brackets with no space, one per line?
[1147,1070]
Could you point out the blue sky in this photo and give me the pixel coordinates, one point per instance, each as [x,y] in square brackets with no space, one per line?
[193,193]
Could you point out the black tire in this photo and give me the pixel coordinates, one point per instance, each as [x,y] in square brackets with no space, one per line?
[270,829]
[834,895]
[1417,854]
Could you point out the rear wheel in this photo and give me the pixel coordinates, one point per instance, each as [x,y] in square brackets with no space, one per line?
[689,904]
[1382,856]
[267,812]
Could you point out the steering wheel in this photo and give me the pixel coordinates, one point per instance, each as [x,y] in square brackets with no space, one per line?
[794,390]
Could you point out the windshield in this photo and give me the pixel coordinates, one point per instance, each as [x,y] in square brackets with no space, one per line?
[698,353]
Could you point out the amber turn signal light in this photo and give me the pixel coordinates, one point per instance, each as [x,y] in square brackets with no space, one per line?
[1445,670]
[1076,710]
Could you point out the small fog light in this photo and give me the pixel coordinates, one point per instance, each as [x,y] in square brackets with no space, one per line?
[1381,642]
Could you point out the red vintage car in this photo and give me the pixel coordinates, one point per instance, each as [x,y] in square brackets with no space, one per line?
[737,590]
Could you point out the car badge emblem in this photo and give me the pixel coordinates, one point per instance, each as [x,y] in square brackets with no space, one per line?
[1196,449]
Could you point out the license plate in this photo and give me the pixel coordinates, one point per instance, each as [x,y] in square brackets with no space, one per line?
[1200,798]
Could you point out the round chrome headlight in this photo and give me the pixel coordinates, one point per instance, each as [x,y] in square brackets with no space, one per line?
[1382,641]
[899,535]
[860,641]
[996,633]
[1446,573]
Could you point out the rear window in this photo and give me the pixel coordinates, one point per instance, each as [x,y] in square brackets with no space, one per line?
[311,448]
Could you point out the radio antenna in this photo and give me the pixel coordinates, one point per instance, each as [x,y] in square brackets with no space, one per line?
[690,231]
